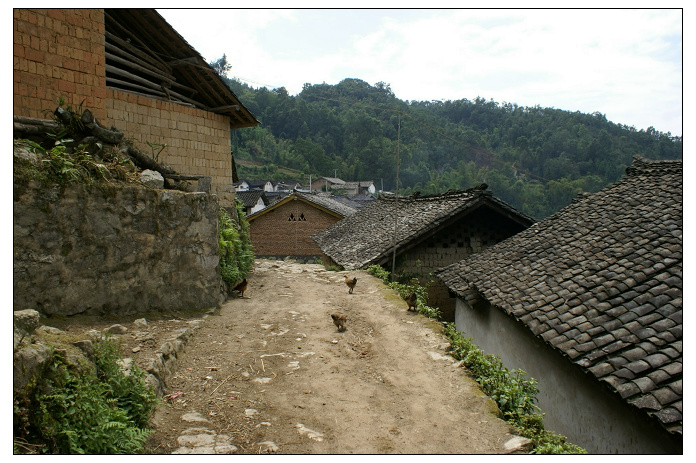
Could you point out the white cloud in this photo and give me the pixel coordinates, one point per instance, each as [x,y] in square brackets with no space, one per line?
[623,63]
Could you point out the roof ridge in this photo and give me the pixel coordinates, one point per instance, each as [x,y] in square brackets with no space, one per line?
[642,165]
[479,189]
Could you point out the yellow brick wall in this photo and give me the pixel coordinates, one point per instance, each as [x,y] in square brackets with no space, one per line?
[58,52]
[198,142]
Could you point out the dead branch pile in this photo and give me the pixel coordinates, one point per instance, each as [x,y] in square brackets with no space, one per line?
[84,130]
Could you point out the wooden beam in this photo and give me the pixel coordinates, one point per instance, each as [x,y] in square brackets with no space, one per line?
[136,51]
[137,67]
[145,90]
[131,76]
[169,79]
[149,53]
[124,54]
[192,61]
[225,108]
[183,177]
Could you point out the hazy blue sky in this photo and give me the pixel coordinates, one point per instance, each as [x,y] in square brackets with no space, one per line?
[626,64]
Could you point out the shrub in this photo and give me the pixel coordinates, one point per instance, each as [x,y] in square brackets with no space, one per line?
[236,251]
[100,410]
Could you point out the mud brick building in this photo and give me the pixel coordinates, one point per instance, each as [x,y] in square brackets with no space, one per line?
[132,70]
[431,232]
[284,229]
[589,303]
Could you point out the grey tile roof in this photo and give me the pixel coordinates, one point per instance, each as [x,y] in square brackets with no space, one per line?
[367,237]
[320,200]
[332,180]
[348,202]
[329,203]
[251,197]
[600,281]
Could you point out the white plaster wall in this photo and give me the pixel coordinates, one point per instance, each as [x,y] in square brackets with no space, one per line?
[575,405]
[257,207]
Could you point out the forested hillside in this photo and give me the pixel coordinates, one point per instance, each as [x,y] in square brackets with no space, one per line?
[536,159]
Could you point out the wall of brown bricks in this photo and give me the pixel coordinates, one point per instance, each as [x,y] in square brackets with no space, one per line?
[58,52]
[275,234]
[198,142]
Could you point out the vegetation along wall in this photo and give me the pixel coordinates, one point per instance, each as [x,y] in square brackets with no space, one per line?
[119,251]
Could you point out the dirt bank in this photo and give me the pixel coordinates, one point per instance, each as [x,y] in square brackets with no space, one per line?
[271,373]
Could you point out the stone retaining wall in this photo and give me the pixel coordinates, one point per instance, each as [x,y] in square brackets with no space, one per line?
[125,251]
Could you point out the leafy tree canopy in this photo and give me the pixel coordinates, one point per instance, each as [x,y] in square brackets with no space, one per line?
[536,159]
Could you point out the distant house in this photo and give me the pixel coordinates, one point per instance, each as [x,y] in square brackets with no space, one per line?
[286,187]
[242,185]
[589,303]
[343,188]
[361,200]
[431,232]
[250,185]
[283,229]
[357,188]
[348,202]
[326,184]
[132,70]
[253,201]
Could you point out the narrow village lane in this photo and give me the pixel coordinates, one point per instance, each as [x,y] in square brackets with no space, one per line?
[272,374]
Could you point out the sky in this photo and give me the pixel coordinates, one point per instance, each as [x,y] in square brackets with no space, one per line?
[625,64]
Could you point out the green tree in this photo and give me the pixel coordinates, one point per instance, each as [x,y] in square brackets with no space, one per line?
[221,66]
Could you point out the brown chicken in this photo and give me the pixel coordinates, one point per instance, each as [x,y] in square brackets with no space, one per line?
[351,284]
[339,320]
[412,301]
[241,286]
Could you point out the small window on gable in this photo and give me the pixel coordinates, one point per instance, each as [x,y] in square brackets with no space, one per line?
[302,217]
[292,218]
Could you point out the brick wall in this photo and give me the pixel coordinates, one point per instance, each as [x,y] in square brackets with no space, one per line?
[476,232]
[198,142]
[276,234]
[58,52]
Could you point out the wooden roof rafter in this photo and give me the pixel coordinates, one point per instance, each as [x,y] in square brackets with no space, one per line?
[145,55]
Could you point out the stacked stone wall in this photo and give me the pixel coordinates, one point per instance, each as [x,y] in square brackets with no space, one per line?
[118,252]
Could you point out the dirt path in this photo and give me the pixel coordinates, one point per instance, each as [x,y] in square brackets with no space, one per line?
[271,374]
